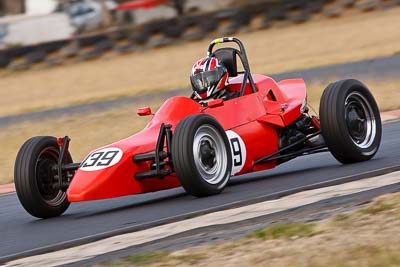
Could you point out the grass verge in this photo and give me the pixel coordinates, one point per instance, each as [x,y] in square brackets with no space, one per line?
[285,230]
[358,238]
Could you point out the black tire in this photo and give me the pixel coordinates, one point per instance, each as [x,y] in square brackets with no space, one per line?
[208,23]
[127,48]
[173,29]
[277,11]
[266,21]
[105,45]
[25,65]
[368,6]
[350,121]
[316,6]
[298,11]
[90,55]
[36,56]
[229,17]
[333,12]
[349,3]
[91,40]
[193,23]
[206,133]
[33,176]
[303,16]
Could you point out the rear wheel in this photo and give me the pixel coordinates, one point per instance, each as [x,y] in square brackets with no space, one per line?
[350,121]
[201,155]
[36,177]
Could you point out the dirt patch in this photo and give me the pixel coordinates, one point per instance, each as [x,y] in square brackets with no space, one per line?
[365,237]
[325,41]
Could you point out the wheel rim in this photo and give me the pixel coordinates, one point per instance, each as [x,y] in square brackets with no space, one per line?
[210,155]
[360,120]
[47,177]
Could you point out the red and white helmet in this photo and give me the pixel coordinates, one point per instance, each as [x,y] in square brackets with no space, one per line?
[209,76]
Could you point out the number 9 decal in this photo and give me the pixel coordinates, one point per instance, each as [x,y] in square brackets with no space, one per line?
[101,159]
[238,150]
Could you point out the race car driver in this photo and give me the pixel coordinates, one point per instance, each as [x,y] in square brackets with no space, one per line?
[209,79]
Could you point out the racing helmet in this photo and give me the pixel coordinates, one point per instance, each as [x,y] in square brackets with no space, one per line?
[209,76]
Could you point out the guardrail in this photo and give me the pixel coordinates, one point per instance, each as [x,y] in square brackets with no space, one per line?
[187,28]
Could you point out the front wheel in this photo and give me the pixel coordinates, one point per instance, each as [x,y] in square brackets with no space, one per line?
[350,121]
[201,155]
[36,177]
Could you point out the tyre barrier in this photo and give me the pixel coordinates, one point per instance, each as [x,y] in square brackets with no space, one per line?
[4,60]
[209,23]
[99,49]
[315,6]
[123,41]
[227,24]
[71,50]
[260,13]
[54,61]
[90,40]
[125,48]
[193,28]
[36,56]
[174,29]
[348,3]
[154,35]
[368,5]
[297,11]
[53,46]
[333,12]
[389,4]
[186,28]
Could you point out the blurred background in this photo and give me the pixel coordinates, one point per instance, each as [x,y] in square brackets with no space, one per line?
[82,68]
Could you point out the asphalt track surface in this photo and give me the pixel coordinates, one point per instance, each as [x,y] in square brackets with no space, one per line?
[83,222]
[216,234]
[378,68]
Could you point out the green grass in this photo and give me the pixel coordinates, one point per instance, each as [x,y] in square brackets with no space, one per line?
[362,255]
[377,208]
[140,259]
[285,231]
[190,258]
[341,220]
[148,258]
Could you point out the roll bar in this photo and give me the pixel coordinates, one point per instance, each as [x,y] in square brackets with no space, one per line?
[243,58]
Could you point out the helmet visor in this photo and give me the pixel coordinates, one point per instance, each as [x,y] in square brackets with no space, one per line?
[204,80]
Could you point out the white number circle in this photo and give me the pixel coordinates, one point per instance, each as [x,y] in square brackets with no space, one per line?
[101,159]
[238,149]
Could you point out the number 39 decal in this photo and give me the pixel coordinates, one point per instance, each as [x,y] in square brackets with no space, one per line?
[238,150]
[101,159]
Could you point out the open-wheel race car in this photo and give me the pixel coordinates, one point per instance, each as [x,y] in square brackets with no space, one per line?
[201,145]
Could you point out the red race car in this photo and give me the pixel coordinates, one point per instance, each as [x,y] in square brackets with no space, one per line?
[200,146]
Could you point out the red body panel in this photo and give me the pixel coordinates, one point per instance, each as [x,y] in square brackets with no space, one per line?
[255,117]
[141,4]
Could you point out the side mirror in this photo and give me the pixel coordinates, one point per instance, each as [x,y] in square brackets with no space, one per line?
[145,111]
